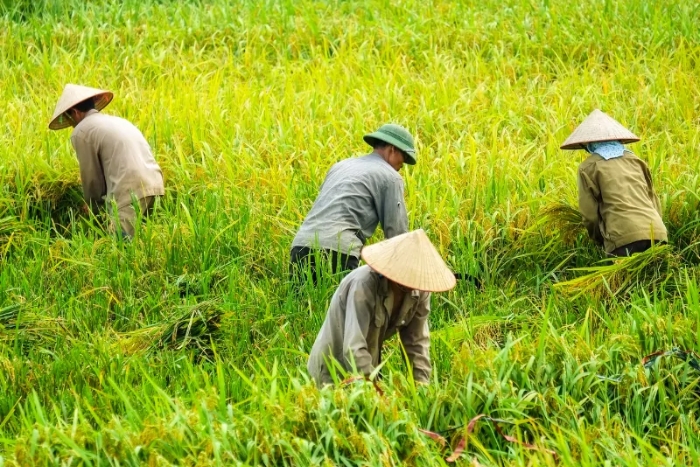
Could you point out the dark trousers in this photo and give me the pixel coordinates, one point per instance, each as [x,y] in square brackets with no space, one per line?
[634,247]
[303,259]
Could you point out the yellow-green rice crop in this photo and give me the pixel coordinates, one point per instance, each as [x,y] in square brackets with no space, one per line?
[187,345]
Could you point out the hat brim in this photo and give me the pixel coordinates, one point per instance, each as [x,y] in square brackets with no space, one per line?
[410,260]
[582,144]
[409,153]
[60,120]
[598,127]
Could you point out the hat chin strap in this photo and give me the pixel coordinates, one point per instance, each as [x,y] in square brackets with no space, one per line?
[69,117]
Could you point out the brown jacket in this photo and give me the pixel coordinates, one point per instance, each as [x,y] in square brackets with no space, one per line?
[617,201]
[115,160]
[360,319]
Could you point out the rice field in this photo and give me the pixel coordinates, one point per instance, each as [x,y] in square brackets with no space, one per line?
[187,346]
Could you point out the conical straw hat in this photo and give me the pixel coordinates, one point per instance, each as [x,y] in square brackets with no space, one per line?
[598,126]
[74,94]
[410,260]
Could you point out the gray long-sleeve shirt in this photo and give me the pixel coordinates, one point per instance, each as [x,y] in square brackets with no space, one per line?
[356,196]
[360,319]
[115,160]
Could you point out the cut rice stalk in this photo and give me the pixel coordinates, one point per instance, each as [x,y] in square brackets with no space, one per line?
[193,328]
[655,268]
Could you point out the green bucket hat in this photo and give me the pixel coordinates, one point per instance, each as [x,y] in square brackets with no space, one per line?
[396,135]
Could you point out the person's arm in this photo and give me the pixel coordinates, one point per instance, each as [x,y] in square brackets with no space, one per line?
[392,209]
[416,341]
[359,311]
[588,206]
[91,172]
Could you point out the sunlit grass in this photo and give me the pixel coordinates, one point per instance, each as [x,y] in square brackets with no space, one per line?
[187,346]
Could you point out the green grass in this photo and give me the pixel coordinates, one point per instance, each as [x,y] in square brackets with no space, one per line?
[187,345]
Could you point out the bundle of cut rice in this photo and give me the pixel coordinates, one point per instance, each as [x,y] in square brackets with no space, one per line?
[19,325]
[656,268]
[563,220]
[194,327]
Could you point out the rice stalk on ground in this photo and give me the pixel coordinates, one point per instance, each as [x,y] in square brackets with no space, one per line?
[20,325]
[192,328]
[656,269]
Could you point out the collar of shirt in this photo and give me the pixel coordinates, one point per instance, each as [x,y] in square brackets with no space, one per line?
[410,300]
[90,112]
[376,155]
[87,114]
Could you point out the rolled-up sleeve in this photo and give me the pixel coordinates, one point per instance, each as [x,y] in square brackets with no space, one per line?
[415,338]
[392,212]
[588,206]
[358,313]
[91,172]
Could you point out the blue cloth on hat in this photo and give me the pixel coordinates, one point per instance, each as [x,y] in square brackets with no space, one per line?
[607,149]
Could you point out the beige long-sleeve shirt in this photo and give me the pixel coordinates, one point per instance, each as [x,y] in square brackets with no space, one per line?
[115,160]
[360,319]
[617,201]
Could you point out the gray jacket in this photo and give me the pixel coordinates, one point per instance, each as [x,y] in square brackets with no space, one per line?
[358,322]
[356,196]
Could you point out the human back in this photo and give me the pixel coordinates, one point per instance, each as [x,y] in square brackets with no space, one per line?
[127,161]
[628,207]
[389,295]
[616,197]
[356,195]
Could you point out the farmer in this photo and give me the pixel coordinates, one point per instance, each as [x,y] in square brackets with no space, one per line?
[356,195]
[617,201]
[117,167]
[389,295]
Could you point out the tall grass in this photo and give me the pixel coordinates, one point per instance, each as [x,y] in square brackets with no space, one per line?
[187,346]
